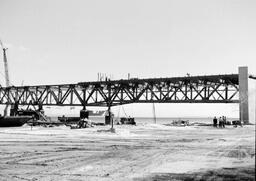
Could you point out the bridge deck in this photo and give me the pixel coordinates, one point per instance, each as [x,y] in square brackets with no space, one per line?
[192,89]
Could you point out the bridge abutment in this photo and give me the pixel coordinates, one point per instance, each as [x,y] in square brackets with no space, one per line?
[243,94]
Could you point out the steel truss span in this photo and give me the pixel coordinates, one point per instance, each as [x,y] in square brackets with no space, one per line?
[196,89]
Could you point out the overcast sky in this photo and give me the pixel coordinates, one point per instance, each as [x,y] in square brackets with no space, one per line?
[53,42]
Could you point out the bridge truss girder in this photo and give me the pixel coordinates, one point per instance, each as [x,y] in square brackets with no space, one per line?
[199,89]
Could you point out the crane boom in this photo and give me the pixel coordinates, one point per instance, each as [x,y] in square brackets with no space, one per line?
[7,80]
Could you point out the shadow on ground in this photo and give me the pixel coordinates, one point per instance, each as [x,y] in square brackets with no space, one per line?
[224,174]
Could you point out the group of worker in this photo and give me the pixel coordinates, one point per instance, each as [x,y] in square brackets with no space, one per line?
[221,122]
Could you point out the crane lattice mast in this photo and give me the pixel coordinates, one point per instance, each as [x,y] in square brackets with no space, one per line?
[7,80]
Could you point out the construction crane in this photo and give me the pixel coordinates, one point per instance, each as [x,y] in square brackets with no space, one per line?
[7,80]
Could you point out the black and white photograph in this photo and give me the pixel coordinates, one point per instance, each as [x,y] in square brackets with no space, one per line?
[127,90]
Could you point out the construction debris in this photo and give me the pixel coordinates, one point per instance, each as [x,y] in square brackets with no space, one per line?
[82,123]
[125,120]
[180,123]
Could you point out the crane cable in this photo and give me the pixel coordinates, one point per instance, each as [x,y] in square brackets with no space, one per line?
[124,111]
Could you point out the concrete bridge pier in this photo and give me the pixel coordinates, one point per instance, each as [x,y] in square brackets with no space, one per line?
[243,94]
[108,116]
[84,114]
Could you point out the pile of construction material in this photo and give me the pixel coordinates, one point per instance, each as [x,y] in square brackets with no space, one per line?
[180,123]
[237,123]
[82,123]
[129,120]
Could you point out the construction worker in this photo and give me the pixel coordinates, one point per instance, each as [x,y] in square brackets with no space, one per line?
[220,122]
[215,121]
[224,121]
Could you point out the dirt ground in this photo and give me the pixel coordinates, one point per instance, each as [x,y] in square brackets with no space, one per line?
[144,152]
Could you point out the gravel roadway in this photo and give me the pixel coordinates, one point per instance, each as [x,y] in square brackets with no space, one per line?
[143,152]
